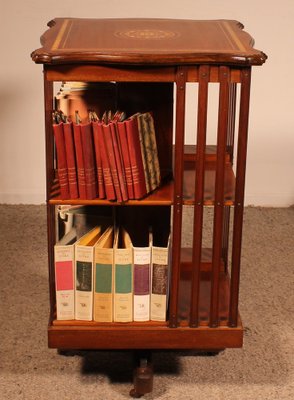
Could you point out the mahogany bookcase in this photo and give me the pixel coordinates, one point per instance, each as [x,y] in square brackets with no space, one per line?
[152,61]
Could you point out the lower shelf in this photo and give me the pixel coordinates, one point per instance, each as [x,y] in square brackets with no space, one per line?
[158,335]
[204,289]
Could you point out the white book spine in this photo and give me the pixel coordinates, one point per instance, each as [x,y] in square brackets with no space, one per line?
[84,283]
[64,282]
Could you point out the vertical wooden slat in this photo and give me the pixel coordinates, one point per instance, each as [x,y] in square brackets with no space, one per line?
[230,150]
[226,230]
[224,78]
[181,78]
[239,194]
[49,143]
[231,121]
[199,191]
[51,242]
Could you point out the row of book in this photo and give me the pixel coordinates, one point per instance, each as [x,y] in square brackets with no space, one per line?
[113,158]
[104,278]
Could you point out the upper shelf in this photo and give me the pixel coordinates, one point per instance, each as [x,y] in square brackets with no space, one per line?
[164,195]
[147,42]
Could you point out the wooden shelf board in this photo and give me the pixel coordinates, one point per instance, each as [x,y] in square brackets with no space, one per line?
[125,325]
[159,197]
[204,297]
[186,269]
[93,324]
[164,194]
[210,153]
[209,184]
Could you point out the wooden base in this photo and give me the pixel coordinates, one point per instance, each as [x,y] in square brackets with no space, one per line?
[150,337]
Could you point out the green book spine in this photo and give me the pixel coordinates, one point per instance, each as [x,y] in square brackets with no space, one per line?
[103,291]
[123,277]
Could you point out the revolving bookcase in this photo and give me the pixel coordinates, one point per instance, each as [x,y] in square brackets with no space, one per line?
[152,62]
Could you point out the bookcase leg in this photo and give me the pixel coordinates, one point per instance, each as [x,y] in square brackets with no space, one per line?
[143,375]
[66,353]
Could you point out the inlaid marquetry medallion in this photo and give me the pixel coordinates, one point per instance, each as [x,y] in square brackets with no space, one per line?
[147,34]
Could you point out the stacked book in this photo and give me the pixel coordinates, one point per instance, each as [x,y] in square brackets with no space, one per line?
[104,278]
[113,158]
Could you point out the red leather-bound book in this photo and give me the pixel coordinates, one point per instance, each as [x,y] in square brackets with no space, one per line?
[111,158]
[96,132]
[61,161]
[89,160]
[80,161]
[107,177]
[122,135]
[119,162]
[70,160]
[137,167]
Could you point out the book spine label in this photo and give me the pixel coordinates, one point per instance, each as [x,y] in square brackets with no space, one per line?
[123,290]
[84,283]
[141,284]
[103,294]
[64,281]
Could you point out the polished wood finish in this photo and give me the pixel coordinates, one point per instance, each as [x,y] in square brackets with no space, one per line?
[125,73]
[146,42]
[161,196]
[49,147]
[199,191]
[165,194]
[147,58]
[209,185]
[219,190]
[152,337]
[239,196]
[178,195]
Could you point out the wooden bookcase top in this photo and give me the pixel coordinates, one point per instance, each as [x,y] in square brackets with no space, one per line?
[147,42]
